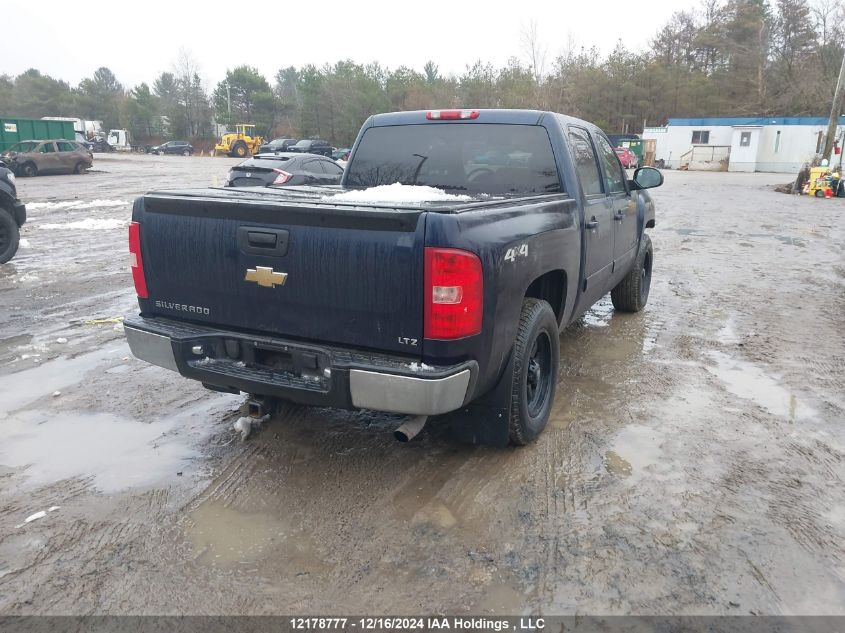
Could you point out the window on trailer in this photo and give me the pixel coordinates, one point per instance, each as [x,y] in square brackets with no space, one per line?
[700,137]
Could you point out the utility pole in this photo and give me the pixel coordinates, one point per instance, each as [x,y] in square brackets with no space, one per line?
[835,110]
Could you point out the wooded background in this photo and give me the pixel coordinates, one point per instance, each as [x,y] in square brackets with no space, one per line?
[736,58]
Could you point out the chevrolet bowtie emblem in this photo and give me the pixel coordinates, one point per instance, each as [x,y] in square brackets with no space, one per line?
[265,277]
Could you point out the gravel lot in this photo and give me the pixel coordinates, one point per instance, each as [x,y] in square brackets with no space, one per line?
[694,462]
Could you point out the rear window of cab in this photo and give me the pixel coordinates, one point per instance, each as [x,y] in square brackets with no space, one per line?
[491,158]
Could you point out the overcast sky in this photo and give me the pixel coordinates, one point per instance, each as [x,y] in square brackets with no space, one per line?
[138,40]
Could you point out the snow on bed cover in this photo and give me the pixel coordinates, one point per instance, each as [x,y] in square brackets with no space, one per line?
[397,193]
[77,204]
[89,224]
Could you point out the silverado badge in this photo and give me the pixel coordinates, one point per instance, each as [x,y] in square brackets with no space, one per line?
[265,277]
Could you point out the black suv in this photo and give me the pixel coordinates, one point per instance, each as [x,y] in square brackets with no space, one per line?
[174,147]
[312,146]
[12,215]
[277,145]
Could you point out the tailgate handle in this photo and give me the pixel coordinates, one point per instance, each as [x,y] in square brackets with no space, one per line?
[261,241]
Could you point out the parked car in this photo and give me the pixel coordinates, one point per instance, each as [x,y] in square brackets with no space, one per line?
[174,147]
[626,157]
[99,145]
[312,146]
[12,215]
[393,297]
[341,153]
[30,158]
[277,145]
[285,168]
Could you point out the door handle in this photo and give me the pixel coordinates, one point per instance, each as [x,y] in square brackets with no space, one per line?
[620,215]
[593,223]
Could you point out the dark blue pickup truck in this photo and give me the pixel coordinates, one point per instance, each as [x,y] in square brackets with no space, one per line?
[444,293]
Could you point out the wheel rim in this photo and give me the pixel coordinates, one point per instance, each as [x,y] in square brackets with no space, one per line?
[645,277]
[539,374]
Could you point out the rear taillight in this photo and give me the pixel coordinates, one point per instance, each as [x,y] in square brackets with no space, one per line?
[135,258]
[282,178]
[453,293]
[451,115]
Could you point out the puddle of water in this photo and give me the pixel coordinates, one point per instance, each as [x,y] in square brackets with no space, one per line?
[223,535]
[115,452]
[19,389]
[616,465]
[436,514]
[501,599]
[226,535]
[748,381]
[636,449]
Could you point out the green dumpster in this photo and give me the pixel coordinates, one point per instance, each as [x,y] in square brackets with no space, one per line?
[637,146]
[15,130]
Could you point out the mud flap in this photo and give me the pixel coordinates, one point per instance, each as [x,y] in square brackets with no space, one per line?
[485,420]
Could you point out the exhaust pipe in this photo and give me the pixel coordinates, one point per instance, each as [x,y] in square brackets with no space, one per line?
[410,428]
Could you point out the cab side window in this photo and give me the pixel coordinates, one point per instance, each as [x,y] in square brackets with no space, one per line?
[66,147]
[585,161]
[47,148]
[614,177]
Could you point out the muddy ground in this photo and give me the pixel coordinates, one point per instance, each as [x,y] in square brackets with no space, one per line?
[694,462]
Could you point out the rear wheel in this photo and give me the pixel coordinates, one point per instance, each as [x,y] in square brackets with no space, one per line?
[29,170]
[536,358]
[9,237]
[631,294]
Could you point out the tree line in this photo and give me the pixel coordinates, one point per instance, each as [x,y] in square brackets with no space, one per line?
[723,58]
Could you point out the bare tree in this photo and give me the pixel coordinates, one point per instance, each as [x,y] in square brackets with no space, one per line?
[535,54]
[533,49]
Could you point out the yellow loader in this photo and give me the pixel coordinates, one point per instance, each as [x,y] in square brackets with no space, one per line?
[240,144]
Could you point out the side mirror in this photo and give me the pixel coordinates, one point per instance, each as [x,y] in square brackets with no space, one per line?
[646,178]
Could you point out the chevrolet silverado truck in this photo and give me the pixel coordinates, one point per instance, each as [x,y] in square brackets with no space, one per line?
[367,295]
[12,214]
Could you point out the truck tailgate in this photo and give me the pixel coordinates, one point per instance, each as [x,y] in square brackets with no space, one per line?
[350,276]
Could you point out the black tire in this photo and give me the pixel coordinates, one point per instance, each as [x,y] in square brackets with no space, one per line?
[9,237]
[29,170]
[631,294]
[819,193]
[186,153]
[536,359]
[79,168]
[239,150]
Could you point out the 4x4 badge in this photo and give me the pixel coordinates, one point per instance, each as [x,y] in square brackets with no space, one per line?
[266,277]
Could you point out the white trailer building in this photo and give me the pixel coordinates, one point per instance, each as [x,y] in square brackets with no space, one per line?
[773,144]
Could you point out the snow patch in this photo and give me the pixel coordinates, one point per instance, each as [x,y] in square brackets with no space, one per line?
[76,204]
[420,367]
[397,193]
[23,243]
[37,515]
[89,224]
